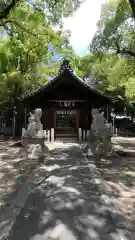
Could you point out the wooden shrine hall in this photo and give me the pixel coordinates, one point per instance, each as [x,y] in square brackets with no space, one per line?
[66,103]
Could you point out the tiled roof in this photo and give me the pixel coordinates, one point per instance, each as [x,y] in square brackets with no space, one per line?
[65,67]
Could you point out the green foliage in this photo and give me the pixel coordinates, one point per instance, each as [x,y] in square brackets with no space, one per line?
[54,9]
[113,26]
[112,58]
[25,58]
[26,61]
[130,89]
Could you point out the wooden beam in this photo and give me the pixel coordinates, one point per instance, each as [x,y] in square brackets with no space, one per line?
[66,101]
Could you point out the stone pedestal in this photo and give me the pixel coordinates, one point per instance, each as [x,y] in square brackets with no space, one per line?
[34,140]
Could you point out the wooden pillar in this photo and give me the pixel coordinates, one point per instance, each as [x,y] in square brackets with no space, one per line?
[25,117]
[53,117]
[43,118]
[90,118]
[77,118]
[106,112]
[48,135]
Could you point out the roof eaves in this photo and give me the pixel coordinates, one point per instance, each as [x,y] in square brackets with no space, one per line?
[89,87]
[72,73]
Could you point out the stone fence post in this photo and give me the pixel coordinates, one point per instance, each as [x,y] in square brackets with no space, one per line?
[52,134]
[80,134]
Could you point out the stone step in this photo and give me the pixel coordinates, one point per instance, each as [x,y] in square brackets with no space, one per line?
[66,138]
[69,140]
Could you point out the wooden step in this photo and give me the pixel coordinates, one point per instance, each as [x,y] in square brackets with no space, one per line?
[66,135]
[66,140]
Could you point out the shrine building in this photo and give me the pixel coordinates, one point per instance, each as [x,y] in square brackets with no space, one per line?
[66,103]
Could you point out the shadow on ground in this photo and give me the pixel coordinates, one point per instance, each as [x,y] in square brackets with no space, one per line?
[65,207]
[119,176]
[14,170]
[124,146]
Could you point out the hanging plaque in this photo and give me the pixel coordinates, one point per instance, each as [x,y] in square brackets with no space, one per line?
[67,103]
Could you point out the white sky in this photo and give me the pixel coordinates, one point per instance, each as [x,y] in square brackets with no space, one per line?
[83,24]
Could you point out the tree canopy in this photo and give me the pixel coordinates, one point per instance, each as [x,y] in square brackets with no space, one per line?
[29,46]
[110,63]
[55,9]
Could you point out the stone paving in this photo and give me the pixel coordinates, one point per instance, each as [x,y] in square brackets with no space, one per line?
[67,205]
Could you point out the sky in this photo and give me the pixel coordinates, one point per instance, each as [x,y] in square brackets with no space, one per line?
[83,25]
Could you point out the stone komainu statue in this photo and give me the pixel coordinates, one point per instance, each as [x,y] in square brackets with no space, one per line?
[35,135]
[35,127]
[99,137]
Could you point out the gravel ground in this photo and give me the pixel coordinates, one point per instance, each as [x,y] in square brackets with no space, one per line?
[119,176]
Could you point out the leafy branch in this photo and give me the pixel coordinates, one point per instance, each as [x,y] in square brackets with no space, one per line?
[129,72]
[26,63]
[132,4]
[7,9]
[123,51]
[35,7]
[5,23]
